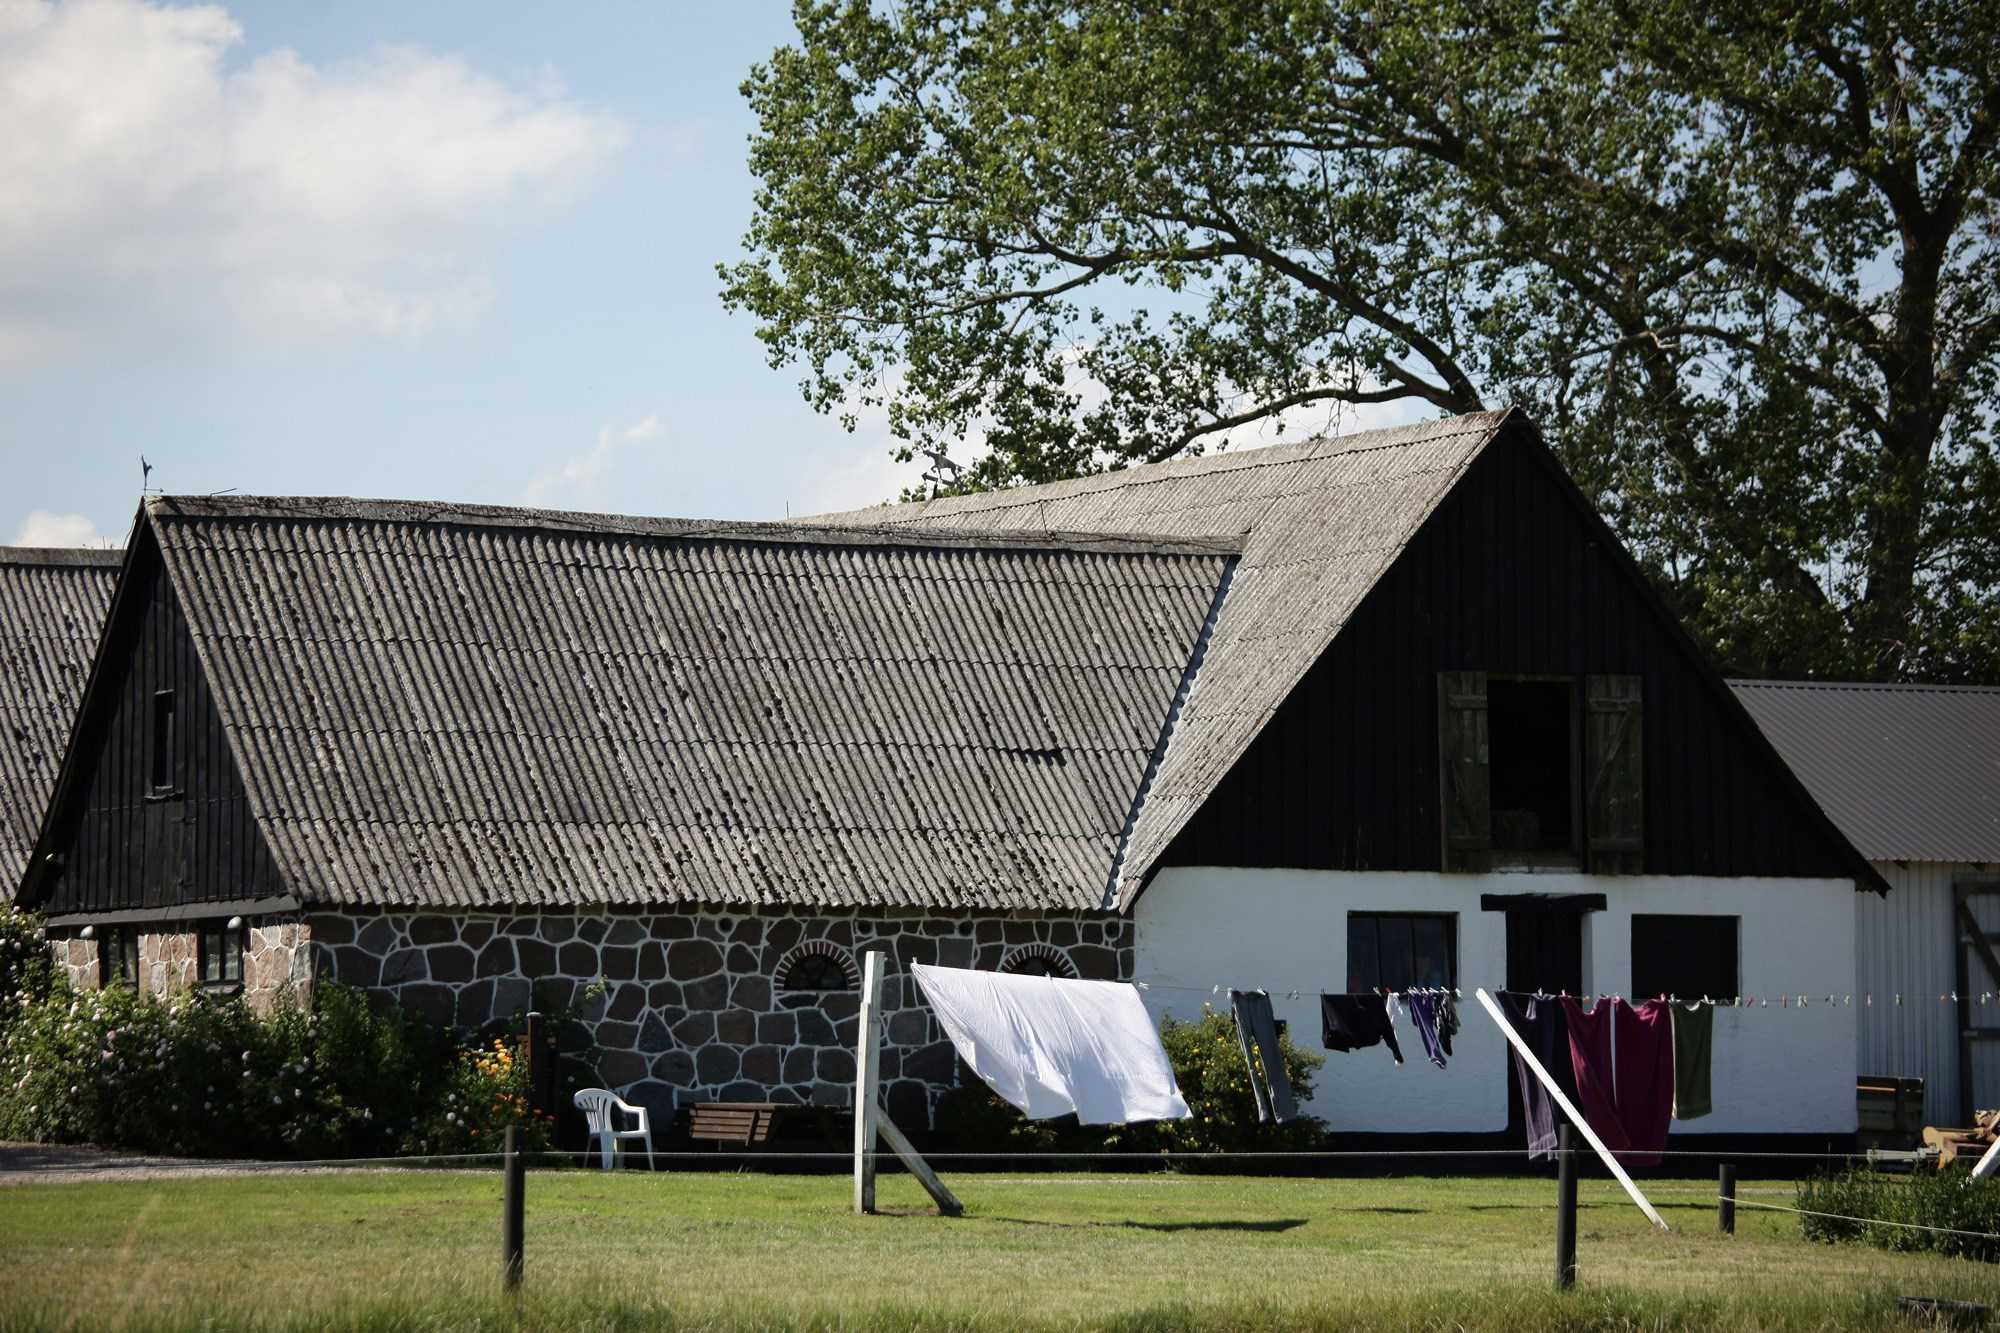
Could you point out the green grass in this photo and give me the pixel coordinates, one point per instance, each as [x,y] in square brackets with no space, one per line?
[413,1250]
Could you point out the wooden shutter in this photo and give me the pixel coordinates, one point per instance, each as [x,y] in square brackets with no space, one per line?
[1468,814]
[1614,775]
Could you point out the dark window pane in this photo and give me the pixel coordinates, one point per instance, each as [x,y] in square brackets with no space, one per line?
[163,741]
[1688,956]
[1396,951]
[1364,969]
[1533,782]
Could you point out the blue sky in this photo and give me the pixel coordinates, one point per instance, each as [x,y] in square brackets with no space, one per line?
[270,267]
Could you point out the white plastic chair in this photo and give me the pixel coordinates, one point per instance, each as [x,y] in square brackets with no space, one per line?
[601,1108]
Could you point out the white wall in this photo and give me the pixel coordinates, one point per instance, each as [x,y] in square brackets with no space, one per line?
[1905,943]
[1777,1070]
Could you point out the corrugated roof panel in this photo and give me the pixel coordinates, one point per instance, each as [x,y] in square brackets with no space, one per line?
[444,707]
[1320,521]
[1907,772]
[52,608]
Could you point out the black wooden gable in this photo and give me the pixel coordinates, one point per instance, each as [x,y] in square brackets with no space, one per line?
[150,819]
[1376,759]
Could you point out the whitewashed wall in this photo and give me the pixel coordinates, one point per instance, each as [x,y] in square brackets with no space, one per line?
[1777,1070]
[1905,943]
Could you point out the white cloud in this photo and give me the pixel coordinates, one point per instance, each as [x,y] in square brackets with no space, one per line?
[582,481]
[42,528]
[155,194]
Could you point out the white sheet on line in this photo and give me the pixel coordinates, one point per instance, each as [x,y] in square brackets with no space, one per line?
[1052,1046]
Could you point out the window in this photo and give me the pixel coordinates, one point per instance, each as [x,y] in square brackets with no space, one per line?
[1688,956]
[1533,785]
[817,966]
[1039,960]
[163,767]
[219,958]
[1396,951]
[117,956]
[1536,773]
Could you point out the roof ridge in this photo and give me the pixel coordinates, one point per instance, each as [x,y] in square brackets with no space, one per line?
[1862,686]
[62,555]
[1283,454]
[415,512]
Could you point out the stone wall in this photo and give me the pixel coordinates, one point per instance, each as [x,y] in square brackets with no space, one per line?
[275,958]
[693,1002]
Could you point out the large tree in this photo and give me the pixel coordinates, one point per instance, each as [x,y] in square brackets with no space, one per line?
[1744,267]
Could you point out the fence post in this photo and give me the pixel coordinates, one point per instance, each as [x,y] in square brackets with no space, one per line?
[1565,1210]
[1725,1205]
[515,1167]
[538,1098]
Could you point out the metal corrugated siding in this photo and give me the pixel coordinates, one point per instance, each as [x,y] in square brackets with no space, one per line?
[1908,772]
[1903,946]
[52,608]
[1320,522]
[483,712]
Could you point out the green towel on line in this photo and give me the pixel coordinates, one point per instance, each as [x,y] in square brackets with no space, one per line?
[1694,1048]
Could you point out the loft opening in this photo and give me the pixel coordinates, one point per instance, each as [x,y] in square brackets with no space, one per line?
[1541,772]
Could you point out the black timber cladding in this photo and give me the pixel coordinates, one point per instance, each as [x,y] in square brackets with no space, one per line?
[1908,772]
[465,707]
[1508,575]
[52,607]
[126,846]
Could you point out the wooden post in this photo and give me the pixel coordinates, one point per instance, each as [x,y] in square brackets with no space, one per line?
[1565,1209]
[537,1094]
[867,1080]
[1569,1109]
[514,1166]
[1725,1199]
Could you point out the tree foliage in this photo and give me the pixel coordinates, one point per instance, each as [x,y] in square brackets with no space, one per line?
[1743,264]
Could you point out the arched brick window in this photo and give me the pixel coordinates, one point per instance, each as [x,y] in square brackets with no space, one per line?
[817,966]
[1039,960]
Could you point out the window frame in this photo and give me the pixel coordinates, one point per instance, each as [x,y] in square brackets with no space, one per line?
[1450,921]
[116,947]
[1652,950]
[162,760]
[216,937]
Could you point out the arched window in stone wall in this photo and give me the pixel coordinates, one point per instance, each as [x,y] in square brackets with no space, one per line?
[1039,960]
[817,965]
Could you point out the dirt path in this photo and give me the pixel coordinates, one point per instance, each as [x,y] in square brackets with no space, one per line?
[62,1164]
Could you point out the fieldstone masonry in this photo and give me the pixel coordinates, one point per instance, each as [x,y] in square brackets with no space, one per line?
[275,958]
[692,1002]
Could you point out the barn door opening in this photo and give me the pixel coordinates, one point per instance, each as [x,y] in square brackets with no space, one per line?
[1544,953]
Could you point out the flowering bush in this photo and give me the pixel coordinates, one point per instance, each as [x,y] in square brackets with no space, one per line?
[486,1091]
[205,1075]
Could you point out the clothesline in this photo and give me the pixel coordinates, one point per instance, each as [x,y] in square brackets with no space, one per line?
[1829,999]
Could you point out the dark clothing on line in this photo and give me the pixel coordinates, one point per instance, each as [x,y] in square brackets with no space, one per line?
[1255,1023]
[1539,1022]
[1627,1102]
[1350,1022]
[1431,1025]
[1694,1053]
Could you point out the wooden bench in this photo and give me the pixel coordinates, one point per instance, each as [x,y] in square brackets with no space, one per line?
[745,1123]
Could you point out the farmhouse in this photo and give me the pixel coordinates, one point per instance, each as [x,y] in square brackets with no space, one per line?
[1384,710]
[52,605]
[1446,730]
[1911,773]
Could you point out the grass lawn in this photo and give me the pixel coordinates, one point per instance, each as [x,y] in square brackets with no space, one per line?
[415,1250]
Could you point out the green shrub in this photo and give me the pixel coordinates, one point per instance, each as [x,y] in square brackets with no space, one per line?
[202,1074]
[1950,1201]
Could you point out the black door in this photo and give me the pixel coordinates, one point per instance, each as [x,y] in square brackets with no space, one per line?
[1544,953]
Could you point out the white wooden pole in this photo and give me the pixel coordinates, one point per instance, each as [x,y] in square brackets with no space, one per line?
[1575,1116]
[1989,1163]
[867,1080]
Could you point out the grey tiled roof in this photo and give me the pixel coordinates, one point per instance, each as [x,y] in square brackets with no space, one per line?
[1320,522]
[52,605]
[460,706]
[1907,772]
